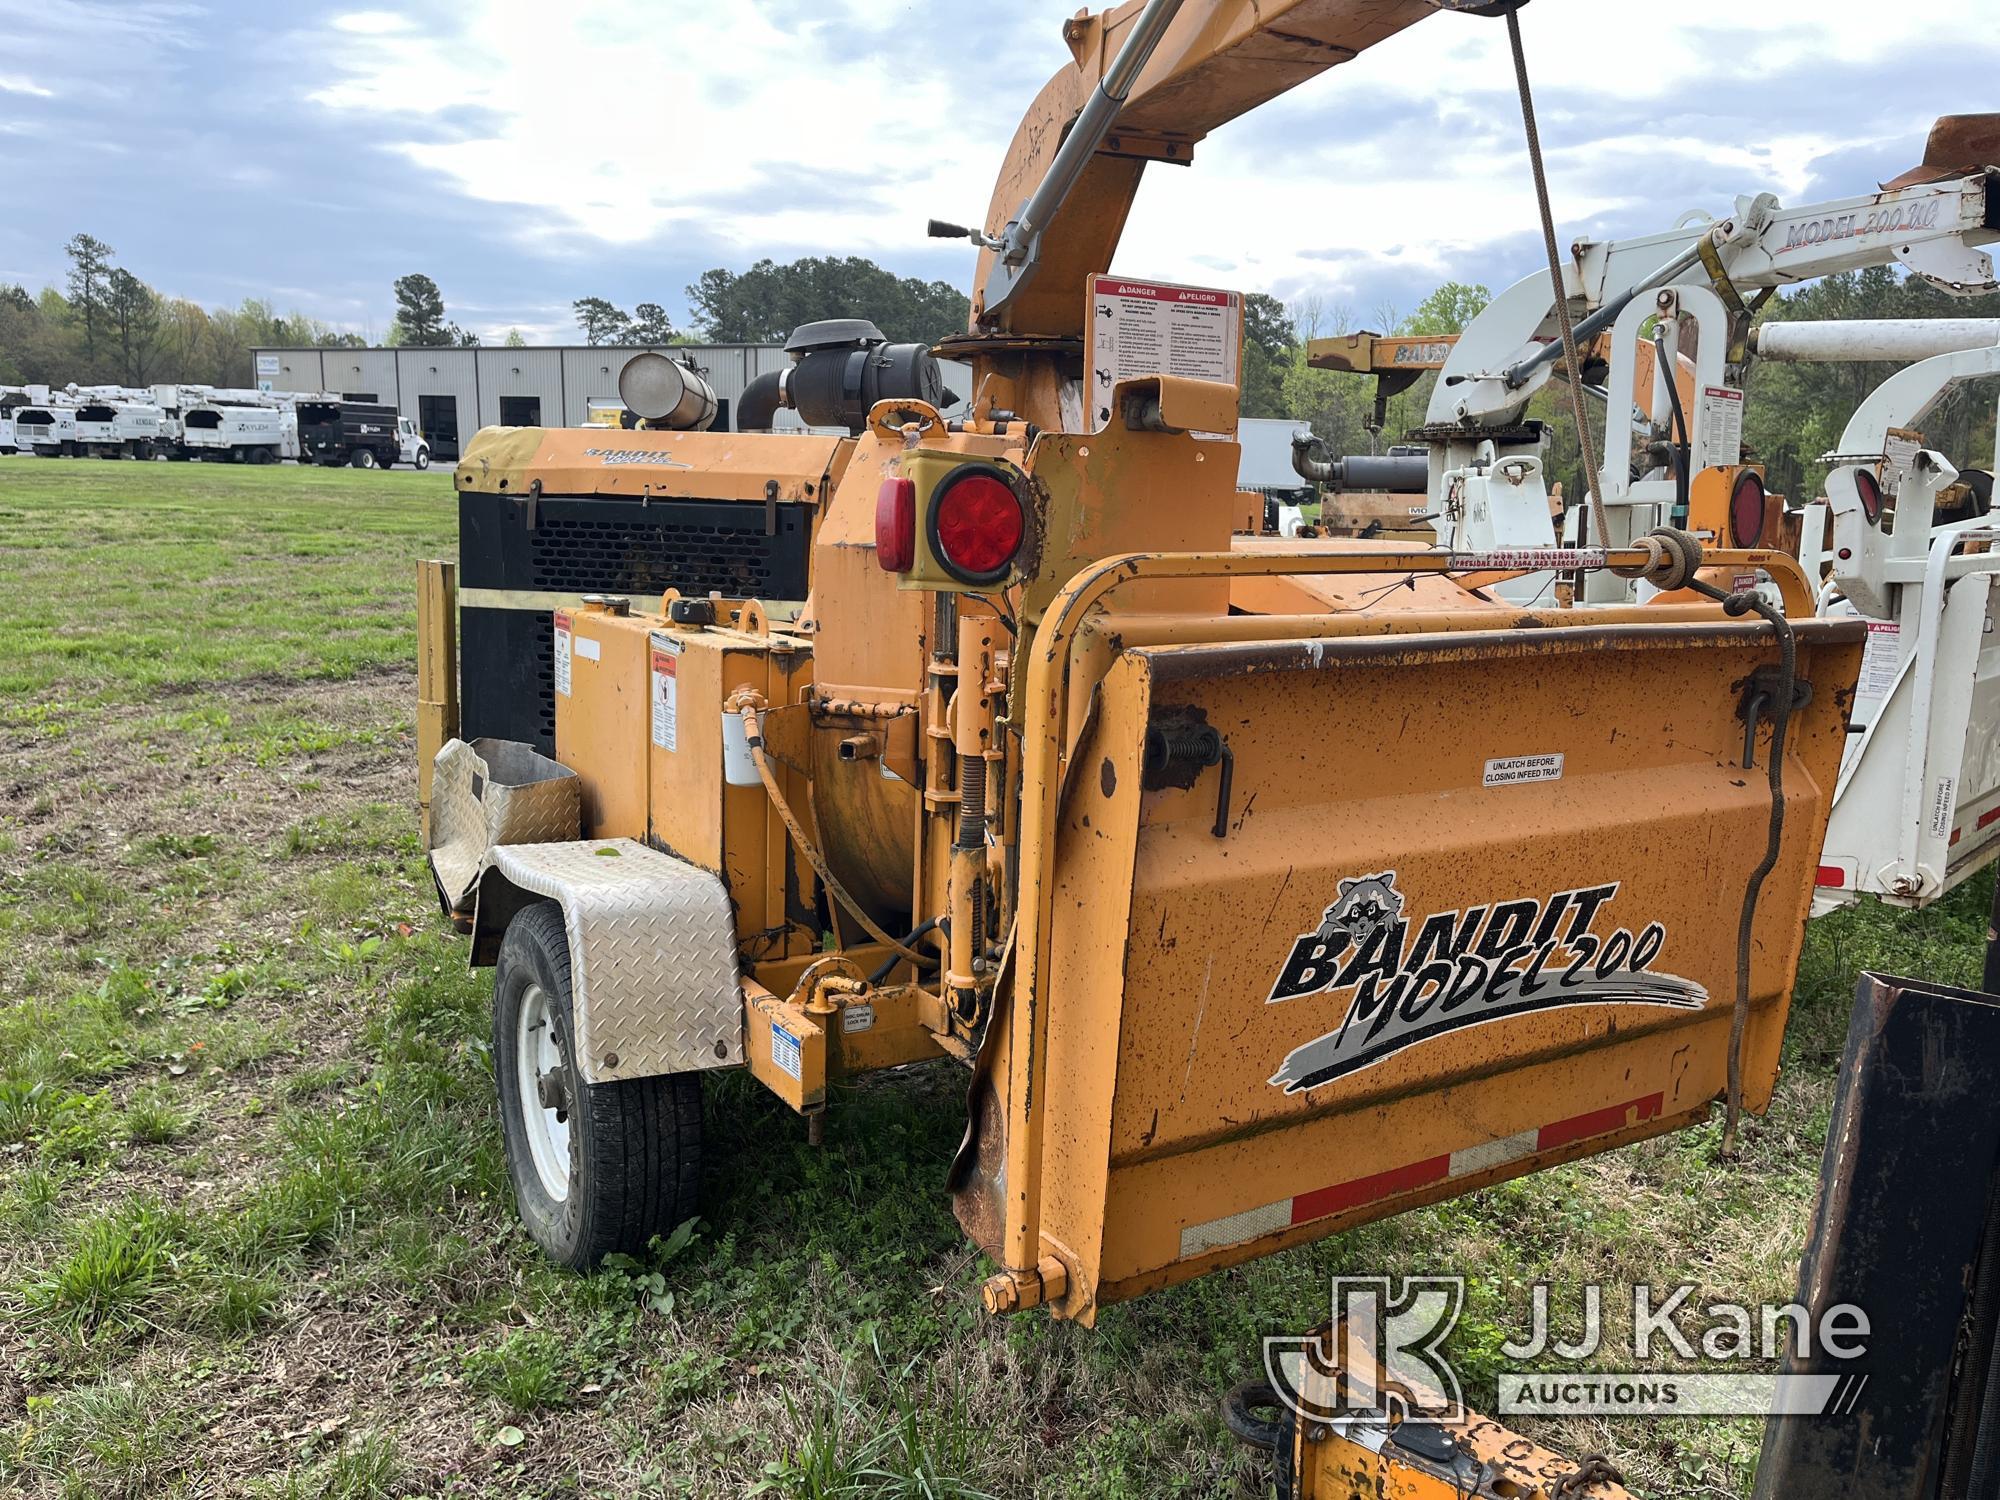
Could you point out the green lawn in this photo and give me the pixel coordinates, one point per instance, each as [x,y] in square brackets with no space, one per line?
[255,1230]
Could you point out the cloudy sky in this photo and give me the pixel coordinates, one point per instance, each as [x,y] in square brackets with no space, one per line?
[529,152]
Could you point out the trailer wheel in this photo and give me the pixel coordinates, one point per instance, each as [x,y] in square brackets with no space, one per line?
[363,458]
[597,1168]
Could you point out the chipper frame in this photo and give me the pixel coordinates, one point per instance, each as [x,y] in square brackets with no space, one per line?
[1263,888]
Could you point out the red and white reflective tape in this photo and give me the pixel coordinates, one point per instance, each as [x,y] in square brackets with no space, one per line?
[1985,820]
[1320,1203]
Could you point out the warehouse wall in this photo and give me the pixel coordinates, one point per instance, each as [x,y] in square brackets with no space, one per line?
[464,387]
[562,378]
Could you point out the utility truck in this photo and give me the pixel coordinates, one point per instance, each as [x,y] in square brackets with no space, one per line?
[1669,346]
[239,426]
[364,434]
[111,426]
[12,398]
[45,427]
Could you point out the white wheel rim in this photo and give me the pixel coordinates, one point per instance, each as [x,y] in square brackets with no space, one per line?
[536,1054]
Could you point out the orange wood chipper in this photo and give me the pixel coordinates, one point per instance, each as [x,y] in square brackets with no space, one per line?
[1262,887]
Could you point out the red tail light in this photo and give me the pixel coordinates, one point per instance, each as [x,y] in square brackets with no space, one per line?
[976,524]
[1870,491]
[1746,510]
[896,525]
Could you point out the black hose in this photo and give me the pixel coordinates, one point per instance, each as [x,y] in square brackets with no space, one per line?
[888,964]
[1240,1403]
[1781,719]
[1683,448]
[757,404]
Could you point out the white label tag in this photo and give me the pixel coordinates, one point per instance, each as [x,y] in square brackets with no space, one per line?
[1156,328]
[859,1017]
[1899,452]
[666,656]
[562,653]
[1512,770]
[1721,427]
[588,649]
[1527,559]
[785,1052]
[1943,802]
[1879,660]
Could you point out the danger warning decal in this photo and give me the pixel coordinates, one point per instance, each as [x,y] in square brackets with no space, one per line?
[1461,968]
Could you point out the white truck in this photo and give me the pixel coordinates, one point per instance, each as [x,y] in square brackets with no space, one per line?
[12,397]
[237,426]
[46,429]
[1912,551]
[411,446]
[112,427]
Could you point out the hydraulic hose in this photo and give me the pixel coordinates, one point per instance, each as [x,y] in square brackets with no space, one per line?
[1781,719]
[753,730]
[1683,449]
[883,969]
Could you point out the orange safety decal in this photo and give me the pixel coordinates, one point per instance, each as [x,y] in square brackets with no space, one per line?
[1320,1203]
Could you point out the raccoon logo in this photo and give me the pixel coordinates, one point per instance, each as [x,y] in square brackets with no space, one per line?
[1364,906]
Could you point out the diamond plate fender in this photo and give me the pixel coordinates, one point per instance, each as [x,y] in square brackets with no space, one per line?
[652,951]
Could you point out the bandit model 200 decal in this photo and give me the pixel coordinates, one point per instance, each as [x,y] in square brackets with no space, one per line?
[1462,968]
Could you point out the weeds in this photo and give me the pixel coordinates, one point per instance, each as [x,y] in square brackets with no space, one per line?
[123,1440]
[156,1117]
[112,1272]
[526,1371]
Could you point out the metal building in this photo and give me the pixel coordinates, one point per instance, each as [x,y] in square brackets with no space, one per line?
[451,393]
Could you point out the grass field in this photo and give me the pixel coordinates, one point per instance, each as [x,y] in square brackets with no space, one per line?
[255,1230]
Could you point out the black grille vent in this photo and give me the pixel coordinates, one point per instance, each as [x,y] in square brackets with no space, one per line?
[545,678]
[649,555]
[595,546]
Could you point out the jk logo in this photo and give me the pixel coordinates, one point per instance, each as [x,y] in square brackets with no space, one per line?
[1379,1358]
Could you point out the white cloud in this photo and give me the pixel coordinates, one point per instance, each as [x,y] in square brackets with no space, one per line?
[608,125]
[372,23]
[614,125]
[15,83]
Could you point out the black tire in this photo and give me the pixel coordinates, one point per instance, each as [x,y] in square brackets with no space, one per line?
[634,1146]
[362,458]
[263,455]
[423,458]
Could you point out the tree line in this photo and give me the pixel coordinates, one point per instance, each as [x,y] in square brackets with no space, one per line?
[765,303]
[105,325]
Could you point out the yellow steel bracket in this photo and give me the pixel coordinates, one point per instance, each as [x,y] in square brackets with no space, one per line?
[1033,1275]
